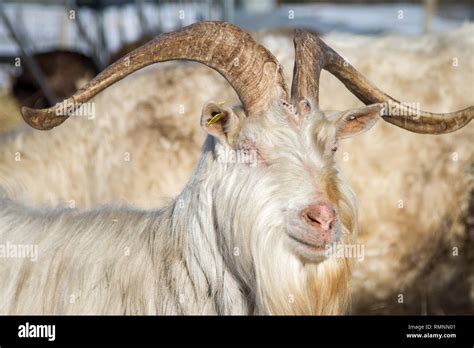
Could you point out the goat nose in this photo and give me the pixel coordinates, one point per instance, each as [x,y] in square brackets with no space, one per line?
[320,215]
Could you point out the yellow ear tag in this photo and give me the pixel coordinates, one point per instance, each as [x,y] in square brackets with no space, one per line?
[214,118]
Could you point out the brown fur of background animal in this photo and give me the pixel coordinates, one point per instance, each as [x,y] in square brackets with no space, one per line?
[64,71]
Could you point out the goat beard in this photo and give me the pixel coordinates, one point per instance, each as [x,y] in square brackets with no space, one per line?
[288,285]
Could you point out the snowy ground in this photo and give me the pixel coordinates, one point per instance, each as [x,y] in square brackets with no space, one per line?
[52,26]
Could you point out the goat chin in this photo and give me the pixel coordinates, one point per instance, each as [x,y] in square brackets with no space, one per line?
[288,285]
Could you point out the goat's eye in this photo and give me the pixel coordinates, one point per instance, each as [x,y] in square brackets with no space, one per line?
[334,147]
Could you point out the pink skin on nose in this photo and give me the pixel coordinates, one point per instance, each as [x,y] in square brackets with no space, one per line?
[321,218]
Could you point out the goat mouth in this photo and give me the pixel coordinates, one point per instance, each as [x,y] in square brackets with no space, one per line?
[317,248]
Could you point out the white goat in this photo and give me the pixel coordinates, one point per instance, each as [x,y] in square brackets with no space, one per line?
[88,163]
[289,205]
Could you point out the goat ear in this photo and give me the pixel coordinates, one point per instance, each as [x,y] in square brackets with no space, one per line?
[220,121]
[356,121]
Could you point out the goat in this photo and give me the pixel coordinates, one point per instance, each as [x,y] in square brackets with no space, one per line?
[82,177]
[85,172]
[289,204]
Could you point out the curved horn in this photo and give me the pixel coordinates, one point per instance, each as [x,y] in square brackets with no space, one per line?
[252,70]
[312,55]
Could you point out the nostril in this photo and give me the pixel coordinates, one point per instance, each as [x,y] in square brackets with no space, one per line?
[321,215]
[311,217]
